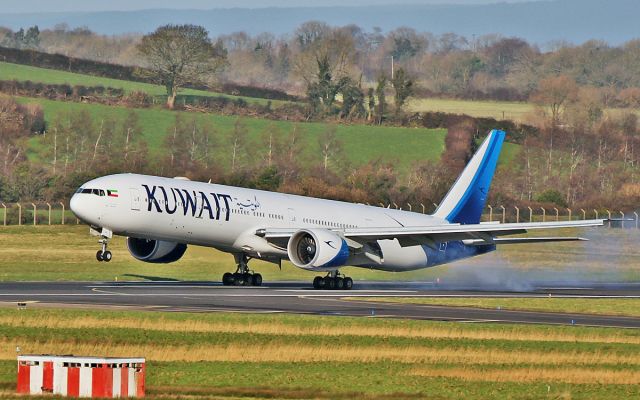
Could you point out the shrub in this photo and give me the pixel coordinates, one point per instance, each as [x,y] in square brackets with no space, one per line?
[138,99]
[552,196]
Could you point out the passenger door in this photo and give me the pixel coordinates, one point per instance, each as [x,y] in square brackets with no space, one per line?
[135,199]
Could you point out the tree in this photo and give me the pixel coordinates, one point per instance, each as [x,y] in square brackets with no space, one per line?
[406,43]
[180,54]
[239,143]
[382,104]
[403,87]
[371,103]
[330,148]
[323,91]
[352,100]
[556,93]
[32,38]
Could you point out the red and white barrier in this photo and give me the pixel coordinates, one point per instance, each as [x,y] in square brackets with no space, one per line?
[81,376]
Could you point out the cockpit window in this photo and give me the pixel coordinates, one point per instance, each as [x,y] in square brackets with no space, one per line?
[97,192]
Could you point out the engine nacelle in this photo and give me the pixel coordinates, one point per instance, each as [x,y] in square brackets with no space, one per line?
[317,249]
[155,251]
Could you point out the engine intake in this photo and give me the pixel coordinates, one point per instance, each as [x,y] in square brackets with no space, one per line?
[317,249]
[155,251]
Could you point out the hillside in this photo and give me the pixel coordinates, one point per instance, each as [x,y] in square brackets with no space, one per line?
[361,143]
[19,72]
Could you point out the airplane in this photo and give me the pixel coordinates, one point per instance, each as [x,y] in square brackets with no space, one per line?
[162,216]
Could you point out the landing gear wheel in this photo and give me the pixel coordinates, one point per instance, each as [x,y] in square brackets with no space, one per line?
[227,279]
[329,283]
[318,283]
[243,276]
[333,281]
[348,283]
[103,254]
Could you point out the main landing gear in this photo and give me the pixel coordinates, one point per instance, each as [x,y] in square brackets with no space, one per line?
[333,281]
[104,254]
[243,276]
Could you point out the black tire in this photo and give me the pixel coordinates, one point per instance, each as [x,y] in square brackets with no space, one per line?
[329,283]
[257,280]
[107,256]
[99,255]
[238,279]
[317,282]
[339,283]
[227,279]
[248,279]
[348,283]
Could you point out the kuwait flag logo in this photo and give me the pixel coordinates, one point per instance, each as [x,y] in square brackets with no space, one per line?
[112,193]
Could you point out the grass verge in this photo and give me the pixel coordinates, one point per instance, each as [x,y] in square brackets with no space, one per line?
[609,306]
[295,357]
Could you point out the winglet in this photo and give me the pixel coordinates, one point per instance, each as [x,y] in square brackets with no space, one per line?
[467,197]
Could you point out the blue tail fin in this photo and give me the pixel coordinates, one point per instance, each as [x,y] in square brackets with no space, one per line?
[467,197]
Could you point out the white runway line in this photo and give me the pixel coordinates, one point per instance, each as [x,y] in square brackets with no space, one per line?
[311,294]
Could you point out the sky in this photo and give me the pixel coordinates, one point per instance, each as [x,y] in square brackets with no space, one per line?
[30,6]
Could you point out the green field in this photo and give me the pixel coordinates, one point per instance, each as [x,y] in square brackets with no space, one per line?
[68,253]
[302,357]
[361,143]
[609,306]
[499,110]
[19,72]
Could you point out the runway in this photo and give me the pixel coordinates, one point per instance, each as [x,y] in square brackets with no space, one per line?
[299,298]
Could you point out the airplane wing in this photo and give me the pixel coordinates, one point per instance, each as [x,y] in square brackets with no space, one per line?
[471,234]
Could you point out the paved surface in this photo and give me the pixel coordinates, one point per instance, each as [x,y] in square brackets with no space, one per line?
[297,297]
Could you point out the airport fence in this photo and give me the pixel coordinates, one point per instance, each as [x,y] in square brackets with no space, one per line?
[36,213]
[58,213]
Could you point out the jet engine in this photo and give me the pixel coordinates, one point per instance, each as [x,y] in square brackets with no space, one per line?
[155,251]
[317,249]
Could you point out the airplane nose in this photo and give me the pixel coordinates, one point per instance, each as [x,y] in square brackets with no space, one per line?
[76,206]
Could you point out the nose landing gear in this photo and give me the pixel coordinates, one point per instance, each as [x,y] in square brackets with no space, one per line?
[243,276]
[333,281]
[104,254]
[105,234]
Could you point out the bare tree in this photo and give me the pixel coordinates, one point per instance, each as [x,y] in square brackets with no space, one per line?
[180,54]
[555,94]
[239,144]
[330,148]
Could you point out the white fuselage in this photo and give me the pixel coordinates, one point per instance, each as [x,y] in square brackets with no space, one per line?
[227,218]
